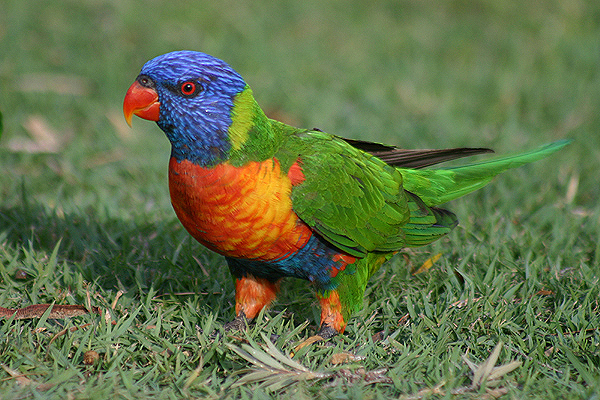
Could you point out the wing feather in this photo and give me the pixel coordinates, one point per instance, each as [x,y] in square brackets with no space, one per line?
[355,200]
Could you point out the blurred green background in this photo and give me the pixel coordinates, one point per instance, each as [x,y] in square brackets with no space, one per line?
[507,75]
[417,74]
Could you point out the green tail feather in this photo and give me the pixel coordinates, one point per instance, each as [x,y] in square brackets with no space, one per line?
[439,186]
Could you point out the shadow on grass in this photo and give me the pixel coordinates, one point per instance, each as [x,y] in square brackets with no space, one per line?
[116,253]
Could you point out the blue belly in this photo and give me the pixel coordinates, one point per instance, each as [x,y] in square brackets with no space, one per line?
[313,262]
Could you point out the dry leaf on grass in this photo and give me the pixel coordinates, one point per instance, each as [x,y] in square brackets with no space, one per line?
[22,380]
[56,312]
[44,139]
[345,357]
[428,264]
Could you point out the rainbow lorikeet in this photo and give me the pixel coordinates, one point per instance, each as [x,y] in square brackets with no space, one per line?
[279,201]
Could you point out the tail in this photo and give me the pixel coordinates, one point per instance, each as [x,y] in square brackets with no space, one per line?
[438,186]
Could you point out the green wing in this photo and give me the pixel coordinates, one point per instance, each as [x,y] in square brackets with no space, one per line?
[360,204]
[356,201]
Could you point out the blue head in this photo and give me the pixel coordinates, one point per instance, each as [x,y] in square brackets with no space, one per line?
[190,95]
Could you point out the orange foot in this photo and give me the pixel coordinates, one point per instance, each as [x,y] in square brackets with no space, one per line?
[332,320]
[252,294]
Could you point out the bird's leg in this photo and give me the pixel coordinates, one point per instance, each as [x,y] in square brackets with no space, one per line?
[332,320]
[252,294]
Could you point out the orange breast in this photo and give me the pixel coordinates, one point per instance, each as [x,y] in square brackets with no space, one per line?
[242,212]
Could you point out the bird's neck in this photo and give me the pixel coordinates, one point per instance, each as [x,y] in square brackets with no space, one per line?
[251,134]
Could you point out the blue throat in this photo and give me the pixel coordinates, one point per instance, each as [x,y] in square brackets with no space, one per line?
[205,145]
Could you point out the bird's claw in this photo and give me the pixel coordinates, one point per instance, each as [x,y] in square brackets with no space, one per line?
[327,332]
[239,323]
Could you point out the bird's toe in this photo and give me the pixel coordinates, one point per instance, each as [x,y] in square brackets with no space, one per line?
[239,323]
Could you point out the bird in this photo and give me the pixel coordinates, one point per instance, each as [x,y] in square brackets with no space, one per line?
[278,201]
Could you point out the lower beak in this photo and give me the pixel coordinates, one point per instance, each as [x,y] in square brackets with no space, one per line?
[141,101]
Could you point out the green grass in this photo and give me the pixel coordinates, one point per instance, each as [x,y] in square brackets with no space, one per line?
[84,208]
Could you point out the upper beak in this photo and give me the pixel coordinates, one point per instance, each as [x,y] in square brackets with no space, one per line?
[141,101]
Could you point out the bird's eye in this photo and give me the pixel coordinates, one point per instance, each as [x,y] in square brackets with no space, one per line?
[189,88]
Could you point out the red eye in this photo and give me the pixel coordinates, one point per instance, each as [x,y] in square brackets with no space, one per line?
[188,88]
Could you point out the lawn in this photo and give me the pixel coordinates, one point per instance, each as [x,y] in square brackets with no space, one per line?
[85,217]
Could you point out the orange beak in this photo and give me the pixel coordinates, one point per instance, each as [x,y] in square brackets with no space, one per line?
[141,101]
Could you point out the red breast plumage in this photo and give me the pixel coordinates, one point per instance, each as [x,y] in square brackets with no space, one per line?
[242,212]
